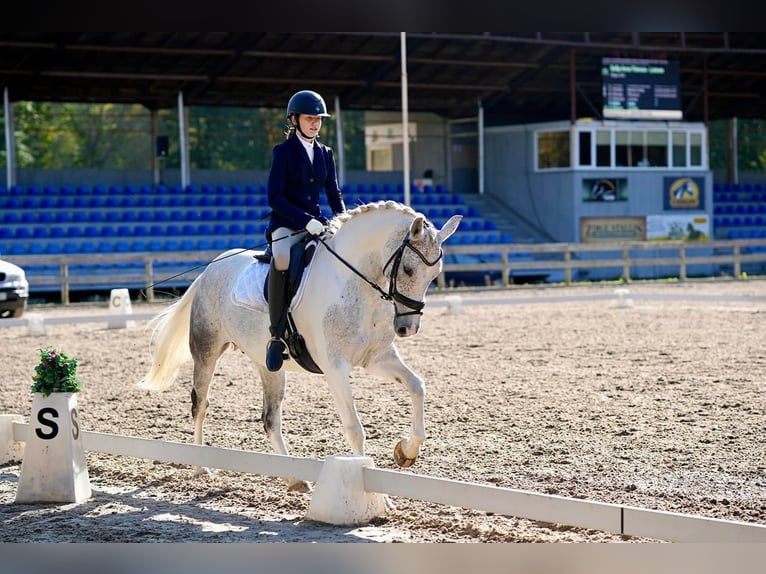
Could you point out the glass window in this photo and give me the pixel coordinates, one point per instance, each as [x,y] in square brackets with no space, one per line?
[695,149]
[553,149]
[584,139]
[603,148]
[679,149]
[657,149]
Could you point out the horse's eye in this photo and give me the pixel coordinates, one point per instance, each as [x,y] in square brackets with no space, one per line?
[408,271]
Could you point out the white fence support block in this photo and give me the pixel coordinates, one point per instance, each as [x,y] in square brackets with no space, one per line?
[10,448]
[54,467]
[340,497]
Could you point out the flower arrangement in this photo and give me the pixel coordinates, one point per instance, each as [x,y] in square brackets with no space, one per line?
[56,373]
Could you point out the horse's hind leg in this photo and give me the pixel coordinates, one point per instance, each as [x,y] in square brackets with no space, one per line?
[273,394]
[204,366]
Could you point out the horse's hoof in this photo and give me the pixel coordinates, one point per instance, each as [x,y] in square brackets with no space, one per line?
[401,459]
[299,486]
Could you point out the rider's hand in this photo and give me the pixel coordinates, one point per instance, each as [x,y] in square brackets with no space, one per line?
[314,227]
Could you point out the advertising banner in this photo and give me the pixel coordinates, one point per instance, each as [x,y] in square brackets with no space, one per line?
[678,227]
[612,229]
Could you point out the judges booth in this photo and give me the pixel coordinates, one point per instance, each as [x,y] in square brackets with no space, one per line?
[605,180]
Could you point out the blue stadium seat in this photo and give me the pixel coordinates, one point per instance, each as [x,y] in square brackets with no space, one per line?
[58,231]
[113,216]
[173,230]
[82,189]
[28,217]
[189,229]
[96,216]
[139,245]
[113,201]
[140,230]
[176,215]
[40,232]
[145,215]
[220,229]
[47,202]
[92,231]
[156,230]
[129,215]
[188,244]
[205,229]
[162,215]
[46,217]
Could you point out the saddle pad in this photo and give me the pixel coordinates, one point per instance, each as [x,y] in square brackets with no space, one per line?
[249,289]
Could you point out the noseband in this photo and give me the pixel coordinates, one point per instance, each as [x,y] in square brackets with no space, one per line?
[394,261]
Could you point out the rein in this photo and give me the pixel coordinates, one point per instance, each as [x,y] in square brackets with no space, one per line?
[395,260]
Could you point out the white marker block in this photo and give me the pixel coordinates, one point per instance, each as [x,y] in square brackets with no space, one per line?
[339,497]
[119,307]
[53,468]
[35,325]
[10,449]
[454,304]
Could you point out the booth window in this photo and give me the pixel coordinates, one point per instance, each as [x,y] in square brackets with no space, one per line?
[553,149]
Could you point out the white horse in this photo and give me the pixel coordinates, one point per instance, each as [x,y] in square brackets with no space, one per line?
[366,286]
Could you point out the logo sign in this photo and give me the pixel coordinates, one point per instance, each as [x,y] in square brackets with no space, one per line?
[684,192]
[612,229]
[605,189]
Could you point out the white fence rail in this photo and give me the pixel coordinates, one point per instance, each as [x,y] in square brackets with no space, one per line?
[581,513]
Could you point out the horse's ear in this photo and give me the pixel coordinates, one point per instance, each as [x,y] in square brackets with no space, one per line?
[417,226]
[449,228]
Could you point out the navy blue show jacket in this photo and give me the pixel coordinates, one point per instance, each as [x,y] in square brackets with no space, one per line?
[295,185]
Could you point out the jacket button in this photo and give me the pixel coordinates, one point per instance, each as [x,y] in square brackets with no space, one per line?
[311,180]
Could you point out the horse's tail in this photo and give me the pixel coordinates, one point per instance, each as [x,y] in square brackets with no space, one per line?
[170,338]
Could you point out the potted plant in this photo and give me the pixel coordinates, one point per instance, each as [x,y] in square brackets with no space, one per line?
[56,373]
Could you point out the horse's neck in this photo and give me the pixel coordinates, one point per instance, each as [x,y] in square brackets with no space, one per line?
[363,242]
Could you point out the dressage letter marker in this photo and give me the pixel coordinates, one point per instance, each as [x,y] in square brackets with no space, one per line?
[53,468]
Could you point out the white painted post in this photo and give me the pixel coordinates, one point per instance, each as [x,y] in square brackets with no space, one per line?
[119,306]
[53,468]
[340,497]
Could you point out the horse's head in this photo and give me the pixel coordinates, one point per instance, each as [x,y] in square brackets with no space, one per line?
[414,266]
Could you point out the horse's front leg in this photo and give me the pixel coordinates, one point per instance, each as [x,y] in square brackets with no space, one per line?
[389,365]
[339,382]
[271,416]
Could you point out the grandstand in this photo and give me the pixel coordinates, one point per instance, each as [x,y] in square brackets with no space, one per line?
[104,219]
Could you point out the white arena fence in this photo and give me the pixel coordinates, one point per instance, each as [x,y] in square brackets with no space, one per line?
[626,520]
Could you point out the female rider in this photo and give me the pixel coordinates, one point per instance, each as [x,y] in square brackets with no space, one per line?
[301,168]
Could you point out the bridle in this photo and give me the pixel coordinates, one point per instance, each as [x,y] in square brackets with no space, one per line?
[393,294]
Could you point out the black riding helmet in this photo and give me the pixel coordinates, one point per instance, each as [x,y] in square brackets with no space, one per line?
[307,102]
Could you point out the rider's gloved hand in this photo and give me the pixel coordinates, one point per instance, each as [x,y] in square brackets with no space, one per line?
[314,227]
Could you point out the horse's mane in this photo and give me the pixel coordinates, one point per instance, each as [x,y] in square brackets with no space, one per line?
[375,206]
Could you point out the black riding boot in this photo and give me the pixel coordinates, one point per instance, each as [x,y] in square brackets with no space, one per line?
[275,351]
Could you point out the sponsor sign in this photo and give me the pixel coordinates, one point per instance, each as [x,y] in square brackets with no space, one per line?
[678,227]
[612,229]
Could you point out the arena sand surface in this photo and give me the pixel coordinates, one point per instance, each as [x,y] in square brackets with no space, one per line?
[654,400]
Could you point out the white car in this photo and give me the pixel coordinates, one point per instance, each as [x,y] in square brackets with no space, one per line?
[14,290]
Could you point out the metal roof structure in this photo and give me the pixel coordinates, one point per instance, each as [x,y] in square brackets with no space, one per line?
[517,77]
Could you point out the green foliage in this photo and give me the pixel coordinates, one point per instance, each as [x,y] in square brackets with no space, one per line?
[119,136]
[56,373]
